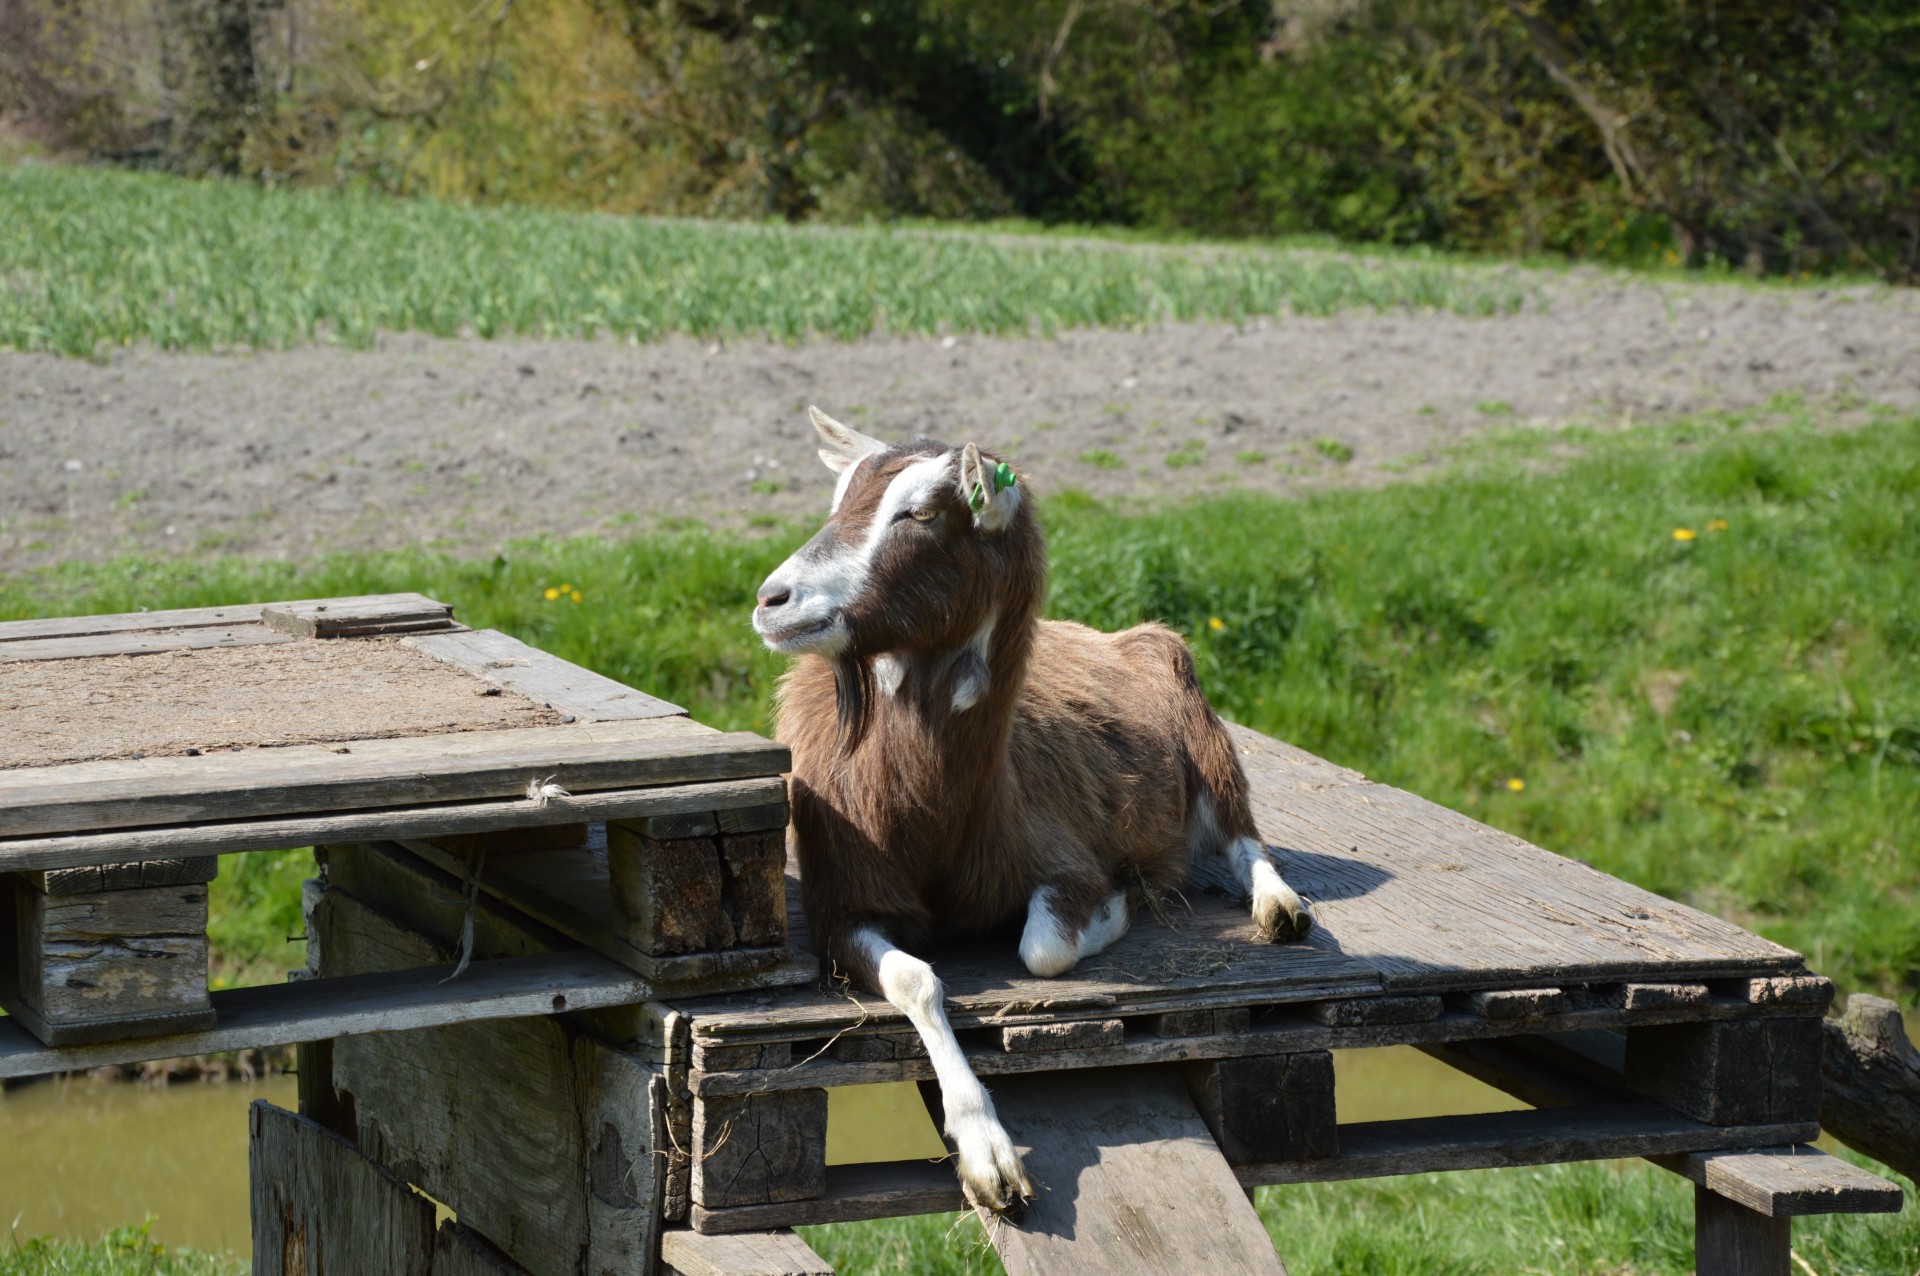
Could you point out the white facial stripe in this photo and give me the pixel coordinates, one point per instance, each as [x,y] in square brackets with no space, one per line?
[889,672]
[840,485]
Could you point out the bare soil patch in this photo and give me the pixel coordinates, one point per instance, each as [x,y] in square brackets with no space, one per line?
[465,445]
[182,702]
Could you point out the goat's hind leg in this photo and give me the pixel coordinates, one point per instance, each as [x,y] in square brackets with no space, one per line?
[989,1165]
[1058,934]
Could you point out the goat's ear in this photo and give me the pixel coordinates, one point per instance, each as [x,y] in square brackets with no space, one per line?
[841,445]
[991,491]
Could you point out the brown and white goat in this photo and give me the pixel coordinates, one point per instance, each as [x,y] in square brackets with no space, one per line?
[957,760]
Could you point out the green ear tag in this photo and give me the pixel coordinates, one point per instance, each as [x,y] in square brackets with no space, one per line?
[1004,477]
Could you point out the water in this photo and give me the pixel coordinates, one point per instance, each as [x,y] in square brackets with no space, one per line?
[79,1156]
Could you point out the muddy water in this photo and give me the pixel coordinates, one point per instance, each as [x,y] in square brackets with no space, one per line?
[78,1156]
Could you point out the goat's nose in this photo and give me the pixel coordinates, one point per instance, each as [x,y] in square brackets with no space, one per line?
[772,595]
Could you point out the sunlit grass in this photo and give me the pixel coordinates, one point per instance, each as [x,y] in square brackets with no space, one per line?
[125,1251]
[95,258]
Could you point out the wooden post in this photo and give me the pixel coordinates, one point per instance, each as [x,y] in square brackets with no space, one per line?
[1731,1240]
[1734,1072]
[537,1136]
[698,893]
[319,1206]
[108,953]
[1269,1107]
[754,1149]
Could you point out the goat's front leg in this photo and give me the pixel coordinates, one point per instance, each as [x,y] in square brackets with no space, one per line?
[989,1165]
[1058,935]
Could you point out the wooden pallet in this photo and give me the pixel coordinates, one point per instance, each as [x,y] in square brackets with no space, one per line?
[103,862]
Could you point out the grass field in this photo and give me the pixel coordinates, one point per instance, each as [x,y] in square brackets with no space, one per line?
[102,258]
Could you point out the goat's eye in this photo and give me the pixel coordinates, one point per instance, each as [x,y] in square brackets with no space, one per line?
[925,515]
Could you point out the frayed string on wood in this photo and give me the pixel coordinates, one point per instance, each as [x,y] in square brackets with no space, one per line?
[540,791]
[466,921]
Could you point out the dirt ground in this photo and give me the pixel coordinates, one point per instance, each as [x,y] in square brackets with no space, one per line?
[465,445]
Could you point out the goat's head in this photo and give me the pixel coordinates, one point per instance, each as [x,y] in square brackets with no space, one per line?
[916,554]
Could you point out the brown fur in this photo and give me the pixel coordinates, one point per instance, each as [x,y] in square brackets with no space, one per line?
[1080,765]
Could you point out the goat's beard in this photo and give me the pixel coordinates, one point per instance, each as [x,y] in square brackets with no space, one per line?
[853,698]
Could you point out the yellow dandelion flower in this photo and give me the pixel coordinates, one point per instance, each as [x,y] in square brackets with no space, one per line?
[576,595]
[1684,533]
[564,587]
[552,593]
[1216,624]
[1717,525]
[1516,784]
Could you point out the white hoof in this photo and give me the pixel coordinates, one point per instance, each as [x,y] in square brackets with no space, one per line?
[991,1173]
[1278,911]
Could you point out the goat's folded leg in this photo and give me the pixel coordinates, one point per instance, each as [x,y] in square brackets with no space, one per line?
[989,1165]
[1058,934]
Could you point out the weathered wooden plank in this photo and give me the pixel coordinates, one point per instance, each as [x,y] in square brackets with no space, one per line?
[668,895]
[127,963]
[1078,1034]
[1278,1034]
[1512,1003]
[1127,1180]
[1356,1011]
[138,644]
[1739,1073]
[1437,901]
[304,779]
[1731,1240]
[539,837]
[320,1009]
[336,618]
[1376,1149]
[1871,1099]
[1789,1182]
[755,1149]
[420,822]
[537,1136]
[1791,990]
[570,892]
[853,1193]
[781,1253]
[709,1057]
[511,664]
[1197,1023]
[128,875]
[458,1250]
[319,1206]
[1269,1107]
[183,618]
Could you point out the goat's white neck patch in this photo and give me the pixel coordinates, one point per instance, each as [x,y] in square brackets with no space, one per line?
[971,675]
[889,671]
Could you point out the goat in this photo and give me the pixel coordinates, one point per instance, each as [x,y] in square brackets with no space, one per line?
[957,760]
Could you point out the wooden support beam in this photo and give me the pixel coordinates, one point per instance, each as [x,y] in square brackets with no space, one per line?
[109,964]
[757,1149]
[1731,1240]
[776,1253]
[560,1171]
[1074,1034]
[357,618]
[1734,1073]
[1354,1012]
[1268,1107]
[94,878]
[1512,1003]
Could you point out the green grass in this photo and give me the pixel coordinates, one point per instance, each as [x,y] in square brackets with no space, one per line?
[1612,1219]
[1333,449]
[125,1251]
[96,258]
